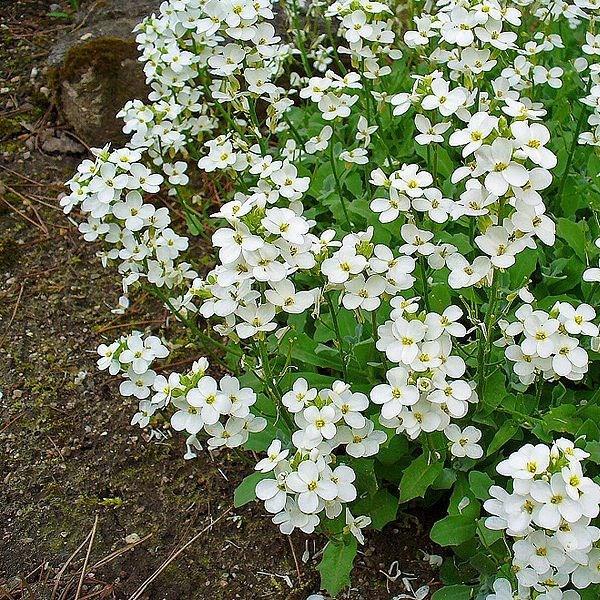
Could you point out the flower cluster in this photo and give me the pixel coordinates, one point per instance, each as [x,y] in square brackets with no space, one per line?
[426,390]
[220,410]
[507,161]
[308,483]
[549,512]
[366,271]
[109,190]
[592,99]
[200,58]
[547,344]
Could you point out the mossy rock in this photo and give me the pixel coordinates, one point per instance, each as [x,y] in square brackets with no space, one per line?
[96,79]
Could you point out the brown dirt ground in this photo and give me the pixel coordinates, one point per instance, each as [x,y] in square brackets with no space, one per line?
[68,455]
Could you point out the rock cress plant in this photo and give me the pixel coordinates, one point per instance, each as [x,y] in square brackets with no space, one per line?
[403,284]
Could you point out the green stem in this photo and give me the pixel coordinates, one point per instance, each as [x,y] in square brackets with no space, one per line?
[194,328]
[338,185]
[424,283]
[338,335]
[485,339]
[272,386]
[579,127]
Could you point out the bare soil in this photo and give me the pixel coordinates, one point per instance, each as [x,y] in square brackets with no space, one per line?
[90,507]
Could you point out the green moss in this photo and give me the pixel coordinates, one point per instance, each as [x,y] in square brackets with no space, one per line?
[103,55]
[10,127]
[9,252]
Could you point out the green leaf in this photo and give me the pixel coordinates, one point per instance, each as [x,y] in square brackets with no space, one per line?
[561,419]
[446,480]
[480,484]
[393,451]
[244,492]
[453,530]
[570,231]
[418,477]
[495,390]
[306,351]
[336,565]
[488,536]
[507,432]
[594,449]
[524,266]
[381,507]
[453,592]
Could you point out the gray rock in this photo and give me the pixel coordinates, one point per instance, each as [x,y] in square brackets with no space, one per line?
[107,18]
[96,68]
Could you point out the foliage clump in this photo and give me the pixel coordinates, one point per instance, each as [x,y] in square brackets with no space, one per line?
[402,290]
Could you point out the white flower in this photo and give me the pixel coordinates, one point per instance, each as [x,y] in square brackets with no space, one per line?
[299,396]
[502,170]
[429,133]
[356,26]
[321,422]
[355,525]
[357,156]
[311,486]
[275,455]
[209,400]
[364,130]
[256,318]
[528,462]
[396,394]
[361,294]
[550,76]
[464,442]
[464,274]
[446,101]
[273,492]
[530,140]
[285,223]
[577,321]
[365,441]
[284,295]
[539,329]
[557,504]
[137,384]
[232,242]
[289,184]
[187,418]
[502,590]
[320,141]
[479,127]
[391,207]
[496,244]
[332,106]
[342,264]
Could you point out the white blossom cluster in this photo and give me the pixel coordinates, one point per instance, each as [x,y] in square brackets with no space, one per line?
[547,344]
[549,513]
[368,29]
[366,271]
[262,246]
[200,404]
[592,49]
[504,146]
[426,390]
[109,190]
[308,483]
[205,62]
